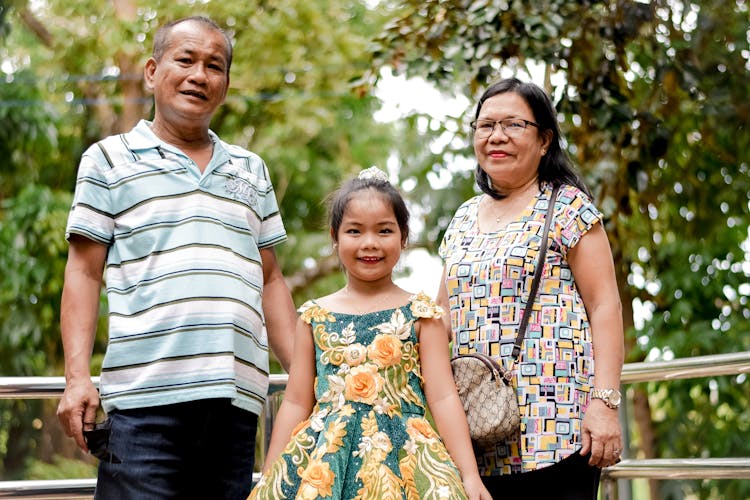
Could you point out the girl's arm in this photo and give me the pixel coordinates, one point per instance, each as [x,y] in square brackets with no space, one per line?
[446,408]
[594,272]
[299,396]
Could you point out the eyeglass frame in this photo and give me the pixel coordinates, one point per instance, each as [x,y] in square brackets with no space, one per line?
[473,126]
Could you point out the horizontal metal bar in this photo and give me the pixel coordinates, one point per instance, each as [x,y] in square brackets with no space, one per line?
[699,366]
[50,489]
[34,387]
[277,382]
[680,468]
[667,468]
[52,387]
[56,489]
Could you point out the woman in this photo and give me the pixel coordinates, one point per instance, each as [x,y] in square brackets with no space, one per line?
[568,373]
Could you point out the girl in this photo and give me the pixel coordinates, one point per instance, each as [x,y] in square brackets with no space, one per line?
[367,359]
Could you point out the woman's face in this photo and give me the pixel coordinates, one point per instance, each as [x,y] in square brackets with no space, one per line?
[510,162]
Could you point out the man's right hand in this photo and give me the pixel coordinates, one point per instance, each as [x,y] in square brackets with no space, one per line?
[79,313]
[78,405]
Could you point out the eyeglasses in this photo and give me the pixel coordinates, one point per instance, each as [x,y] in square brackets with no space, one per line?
[512,127]
[97,441]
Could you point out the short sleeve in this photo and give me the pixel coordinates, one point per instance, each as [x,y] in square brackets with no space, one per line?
[91,213]
[272,230]
[575,215]
[445,243]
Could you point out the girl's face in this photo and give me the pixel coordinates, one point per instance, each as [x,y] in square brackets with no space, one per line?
[369,240]
[510,162]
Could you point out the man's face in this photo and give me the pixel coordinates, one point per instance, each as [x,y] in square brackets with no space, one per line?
[191,79]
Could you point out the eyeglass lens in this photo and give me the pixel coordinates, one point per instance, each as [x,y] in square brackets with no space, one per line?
[509,127]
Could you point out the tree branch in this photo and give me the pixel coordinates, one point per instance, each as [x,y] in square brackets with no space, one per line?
[37,27]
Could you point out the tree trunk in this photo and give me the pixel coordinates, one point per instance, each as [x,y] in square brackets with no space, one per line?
[133,96]
[639,402]
[131,75]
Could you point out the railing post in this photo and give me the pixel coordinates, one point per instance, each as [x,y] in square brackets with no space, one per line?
[623,489]
[609,489]
[271,408]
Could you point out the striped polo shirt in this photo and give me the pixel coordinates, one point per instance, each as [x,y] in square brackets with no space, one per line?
[183,273]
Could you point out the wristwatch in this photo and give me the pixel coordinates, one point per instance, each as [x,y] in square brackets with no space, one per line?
[611,397]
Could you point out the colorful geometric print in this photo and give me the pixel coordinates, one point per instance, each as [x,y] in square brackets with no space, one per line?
[488,280]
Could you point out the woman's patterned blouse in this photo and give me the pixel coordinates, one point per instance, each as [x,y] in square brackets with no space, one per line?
[488,280]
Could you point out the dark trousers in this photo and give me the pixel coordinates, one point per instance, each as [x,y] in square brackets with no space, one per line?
[198,450]
[570,479]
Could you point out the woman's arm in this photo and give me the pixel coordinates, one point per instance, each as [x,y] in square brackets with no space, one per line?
[299,396]
[442,300]
[446,408]
[594,273]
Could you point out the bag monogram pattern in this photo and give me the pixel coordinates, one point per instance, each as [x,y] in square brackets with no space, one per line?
[488,397]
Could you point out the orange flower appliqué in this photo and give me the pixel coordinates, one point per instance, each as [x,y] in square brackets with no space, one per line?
[363,383]
[385,350]
[419,427]
[317,479]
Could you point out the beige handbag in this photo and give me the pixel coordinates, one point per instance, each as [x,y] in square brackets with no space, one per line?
[484,387]
[488,397]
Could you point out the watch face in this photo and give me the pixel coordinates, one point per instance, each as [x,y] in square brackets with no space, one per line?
[614,398]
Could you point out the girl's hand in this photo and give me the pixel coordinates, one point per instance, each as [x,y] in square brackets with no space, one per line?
[475,489]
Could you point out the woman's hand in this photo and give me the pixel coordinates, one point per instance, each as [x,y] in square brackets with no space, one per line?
[601,434]
[475,489]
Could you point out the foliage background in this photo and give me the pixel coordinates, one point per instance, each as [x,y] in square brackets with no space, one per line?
[652,97]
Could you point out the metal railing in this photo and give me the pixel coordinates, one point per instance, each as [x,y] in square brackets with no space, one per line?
[678,468]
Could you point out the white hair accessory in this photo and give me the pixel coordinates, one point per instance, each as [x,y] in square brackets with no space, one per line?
[373,173]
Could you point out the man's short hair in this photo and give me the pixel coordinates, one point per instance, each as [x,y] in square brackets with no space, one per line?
[161,38]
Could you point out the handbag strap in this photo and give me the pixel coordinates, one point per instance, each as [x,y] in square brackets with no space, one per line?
[537,277]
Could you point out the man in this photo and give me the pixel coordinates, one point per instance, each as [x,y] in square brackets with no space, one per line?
[185,225]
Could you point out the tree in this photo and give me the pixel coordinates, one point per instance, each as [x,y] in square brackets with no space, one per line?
[652,97]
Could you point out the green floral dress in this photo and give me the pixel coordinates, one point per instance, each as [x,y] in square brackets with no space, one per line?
[367,437]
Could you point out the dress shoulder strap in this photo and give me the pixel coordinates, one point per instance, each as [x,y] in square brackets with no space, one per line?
[422,306]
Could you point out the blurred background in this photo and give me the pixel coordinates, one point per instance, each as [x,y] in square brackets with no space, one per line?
[653,101]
